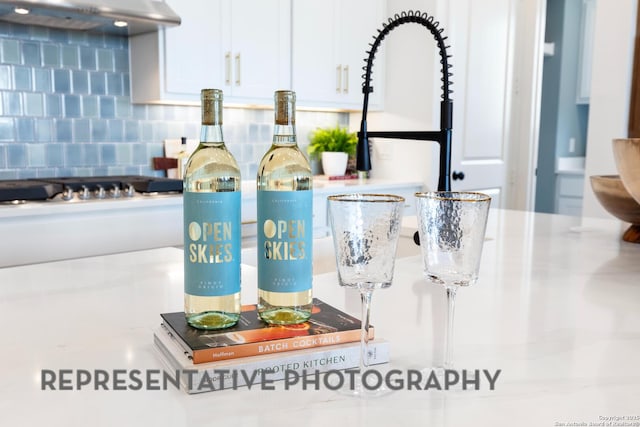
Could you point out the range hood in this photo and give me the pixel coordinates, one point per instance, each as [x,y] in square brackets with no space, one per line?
[123,17]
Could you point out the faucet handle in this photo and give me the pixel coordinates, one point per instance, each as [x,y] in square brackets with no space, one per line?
[457,175]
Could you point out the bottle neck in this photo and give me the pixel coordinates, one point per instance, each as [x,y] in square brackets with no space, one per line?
[211,134]
[284,135]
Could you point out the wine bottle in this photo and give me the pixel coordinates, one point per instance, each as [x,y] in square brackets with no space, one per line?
[285,229]
[212,225]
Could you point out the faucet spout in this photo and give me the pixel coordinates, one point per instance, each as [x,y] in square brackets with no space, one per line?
[443,136]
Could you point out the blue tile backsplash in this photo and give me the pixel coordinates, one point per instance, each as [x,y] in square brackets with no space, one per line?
[65,110]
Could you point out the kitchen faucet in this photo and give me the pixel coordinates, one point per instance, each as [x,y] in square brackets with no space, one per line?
[443,136]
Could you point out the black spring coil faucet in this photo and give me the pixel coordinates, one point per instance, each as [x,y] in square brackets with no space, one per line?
[443,136]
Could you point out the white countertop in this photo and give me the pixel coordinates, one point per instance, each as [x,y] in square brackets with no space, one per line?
[556,308]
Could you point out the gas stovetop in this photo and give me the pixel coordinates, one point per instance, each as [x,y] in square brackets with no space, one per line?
[85,188]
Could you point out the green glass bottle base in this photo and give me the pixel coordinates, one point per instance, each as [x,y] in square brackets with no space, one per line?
[213,320]
[285,316]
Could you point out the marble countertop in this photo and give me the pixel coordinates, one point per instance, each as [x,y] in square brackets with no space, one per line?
[556,309]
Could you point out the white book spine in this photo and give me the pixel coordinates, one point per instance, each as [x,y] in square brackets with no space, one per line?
[251,371]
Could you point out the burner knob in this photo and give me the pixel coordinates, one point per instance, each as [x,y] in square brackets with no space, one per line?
[100,193]
[67,193]
[84,193]
[129,190]
[115,191]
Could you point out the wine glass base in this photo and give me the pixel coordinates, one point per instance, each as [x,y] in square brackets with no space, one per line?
[365,386]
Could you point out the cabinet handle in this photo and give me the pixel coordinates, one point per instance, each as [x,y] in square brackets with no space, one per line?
[227,68]
[237,69]
[338,78]
[345,88]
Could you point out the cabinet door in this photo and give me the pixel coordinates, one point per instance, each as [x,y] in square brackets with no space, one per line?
[315,72]
[359,21]
[193,51]
[260,48]
[330,40]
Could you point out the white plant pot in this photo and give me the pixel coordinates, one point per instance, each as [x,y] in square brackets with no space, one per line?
[334,163]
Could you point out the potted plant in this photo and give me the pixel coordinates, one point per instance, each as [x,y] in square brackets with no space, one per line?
[333,146]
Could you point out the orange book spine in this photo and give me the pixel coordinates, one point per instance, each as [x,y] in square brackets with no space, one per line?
[277,346]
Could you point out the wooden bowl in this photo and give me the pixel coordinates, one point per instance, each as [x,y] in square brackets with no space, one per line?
[627,154]
[615,198]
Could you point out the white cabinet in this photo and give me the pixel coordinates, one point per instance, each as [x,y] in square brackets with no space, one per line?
[569,193]
[329,44]
[242,47]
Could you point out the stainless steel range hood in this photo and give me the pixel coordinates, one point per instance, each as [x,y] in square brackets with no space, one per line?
[123,17]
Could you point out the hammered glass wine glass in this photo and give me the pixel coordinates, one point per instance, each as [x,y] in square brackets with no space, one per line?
[365,229]
[451,226]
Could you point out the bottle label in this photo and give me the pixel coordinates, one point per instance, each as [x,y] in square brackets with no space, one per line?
[285,240]
[212,243]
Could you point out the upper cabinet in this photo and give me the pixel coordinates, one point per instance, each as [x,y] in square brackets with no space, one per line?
[330,39]
[250,48]
[239,46]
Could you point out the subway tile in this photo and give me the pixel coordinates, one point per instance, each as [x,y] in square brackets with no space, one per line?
[108,154]
[114,84]
[87,58]
[5,29]
[78,37]
[11,103]
[116,130]
[53,105]
[46,172]
[5,77]
[131,129]
[139,154]
[123,107]
[116,170]
[39,33]
[50,55]
[16,156]
[33,104]
[95,40]
[54,155]
[105,59]
[98,86]
[59,35]
[92,154]
[124,154]
[80,81]
[107,107]
[100,171]
[126,88]
[36,155]
[81,130]
[155,149]
[74,155]
[3,156]
[99,130]
[25,129]
[20,31]
[116,42]
[6,129]
[22,78]
[10,51]
[26,173]
[139,112]
[90,106]
[8,174]
[61,81]
[31,53]
[72,106]
[147,131]
[121,60]
[43,129]
[70,56]
[42,79]
[63,130]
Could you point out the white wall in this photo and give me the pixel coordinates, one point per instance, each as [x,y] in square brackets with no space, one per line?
[610,91]
[412,99]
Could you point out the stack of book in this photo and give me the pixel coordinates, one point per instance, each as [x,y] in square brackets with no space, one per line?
[251,350]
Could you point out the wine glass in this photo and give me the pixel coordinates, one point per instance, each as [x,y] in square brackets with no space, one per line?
[451,227]
[365,231]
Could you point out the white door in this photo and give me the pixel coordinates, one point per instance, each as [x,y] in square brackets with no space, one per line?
[481,38]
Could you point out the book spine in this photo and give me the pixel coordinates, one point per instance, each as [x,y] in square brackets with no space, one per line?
[276,346]
[251,372]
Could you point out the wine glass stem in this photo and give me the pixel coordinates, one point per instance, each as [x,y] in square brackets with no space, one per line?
[365,296]
[451,305]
